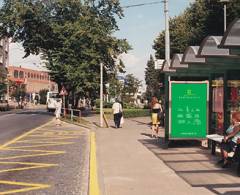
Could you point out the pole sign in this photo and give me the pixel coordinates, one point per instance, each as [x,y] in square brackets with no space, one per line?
[188,110]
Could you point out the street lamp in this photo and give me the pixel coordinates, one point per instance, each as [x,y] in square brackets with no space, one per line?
[167,38]
[101,94]
[225,13]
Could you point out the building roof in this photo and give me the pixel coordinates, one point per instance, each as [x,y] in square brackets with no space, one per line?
[176,61]
[231,36]
[210,47]
[190,55]
[166,67]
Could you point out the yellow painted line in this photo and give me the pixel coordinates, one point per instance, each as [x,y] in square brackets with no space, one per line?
[93,180]
[22,136]
[29,166]
[27,187]
[41,145]
[42,153]
[46,139]
[52,136]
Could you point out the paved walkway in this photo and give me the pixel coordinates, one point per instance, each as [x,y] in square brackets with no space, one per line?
[131,162]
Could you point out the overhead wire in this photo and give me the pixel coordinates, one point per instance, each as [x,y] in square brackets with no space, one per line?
[142,4]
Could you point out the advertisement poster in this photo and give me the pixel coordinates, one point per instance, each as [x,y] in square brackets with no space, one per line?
[188,110]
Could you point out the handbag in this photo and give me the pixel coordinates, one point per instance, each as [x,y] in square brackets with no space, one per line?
[159,115]
[122,120]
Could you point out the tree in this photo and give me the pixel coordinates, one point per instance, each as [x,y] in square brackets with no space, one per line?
[131,86]
[3,77]
[152,79]
[201,19]
[74,37]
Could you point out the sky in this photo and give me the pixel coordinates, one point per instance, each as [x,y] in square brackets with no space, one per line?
[140,27]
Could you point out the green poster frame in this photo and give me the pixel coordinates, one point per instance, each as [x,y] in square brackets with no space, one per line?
[188,110]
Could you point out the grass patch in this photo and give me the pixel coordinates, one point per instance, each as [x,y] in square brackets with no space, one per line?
[76,120]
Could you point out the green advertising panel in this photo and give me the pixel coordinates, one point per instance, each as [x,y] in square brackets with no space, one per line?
[188,111]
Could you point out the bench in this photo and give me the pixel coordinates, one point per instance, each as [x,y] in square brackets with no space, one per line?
[214,139]
[217,139]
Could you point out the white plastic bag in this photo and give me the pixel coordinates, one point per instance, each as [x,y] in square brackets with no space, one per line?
[122,120]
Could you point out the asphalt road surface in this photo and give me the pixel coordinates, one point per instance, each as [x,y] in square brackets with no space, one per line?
[13,124]
[50,160]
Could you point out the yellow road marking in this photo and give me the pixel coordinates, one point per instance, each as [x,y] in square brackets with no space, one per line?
[30,187]
[42,145]
[45,139]
[93,183]
[22,136]
[30,166]
[41,153]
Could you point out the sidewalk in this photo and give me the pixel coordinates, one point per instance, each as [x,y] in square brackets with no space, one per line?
[131,162]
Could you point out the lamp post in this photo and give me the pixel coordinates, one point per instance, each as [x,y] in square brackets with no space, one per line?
[167,38]
[225,14]
[101,94]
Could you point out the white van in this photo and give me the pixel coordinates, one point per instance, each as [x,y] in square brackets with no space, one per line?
[51,100]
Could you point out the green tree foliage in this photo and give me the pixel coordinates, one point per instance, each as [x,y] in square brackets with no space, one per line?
[43,96]
[131,86]
[201,19]
[3,85]
[152,79]
[115,87]
[18,91]
[74,37]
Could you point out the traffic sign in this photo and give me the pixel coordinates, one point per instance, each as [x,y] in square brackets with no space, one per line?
[63,91]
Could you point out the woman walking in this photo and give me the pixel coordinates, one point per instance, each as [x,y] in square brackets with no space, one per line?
[156,110]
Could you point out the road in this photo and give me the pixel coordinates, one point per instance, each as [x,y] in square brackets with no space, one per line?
[40,161]
[13,124]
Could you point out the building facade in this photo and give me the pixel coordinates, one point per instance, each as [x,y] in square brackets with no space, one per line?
[4,52]
[34,80]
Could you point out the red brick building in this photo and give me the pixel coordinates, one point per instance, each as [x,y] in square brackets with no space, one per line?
[34,80]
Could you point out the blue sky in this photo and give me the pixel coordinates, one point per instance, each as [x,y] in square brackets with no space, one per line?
[140,27]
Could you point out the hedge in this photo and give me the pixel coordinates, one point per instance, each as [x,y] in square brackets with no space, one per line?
[128,113]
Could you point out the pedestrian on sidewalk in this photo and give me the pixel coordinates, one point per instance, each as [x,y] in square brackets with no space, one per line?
[117,112]
[156,112]
[58,106]
[230,140]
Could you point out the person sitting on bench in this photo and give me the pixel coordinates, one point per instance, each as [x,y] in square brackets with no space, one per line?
[230,140]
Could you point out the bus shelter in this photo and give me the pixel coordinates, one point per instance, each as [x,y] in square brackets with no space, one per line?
[215,62]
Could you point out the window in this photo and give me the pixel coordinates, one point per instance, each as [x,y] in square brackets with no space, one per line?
[29,75]
[32,75]
[15,74]
[21,75]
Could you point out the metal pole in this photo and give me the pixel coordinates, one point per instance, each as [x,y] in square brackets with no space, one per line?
[167,38]
[101,95]
[225,17]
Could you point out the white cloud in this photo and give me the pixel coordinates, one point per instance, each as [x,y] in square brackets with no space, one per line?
[16,54]
[135,65]
[129,59]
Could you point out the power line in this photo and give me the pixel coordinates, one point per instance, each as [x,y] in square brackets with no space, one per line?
[142,4]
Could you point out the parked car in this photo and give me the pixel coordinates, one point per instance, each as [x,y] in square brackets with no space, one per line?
[4,106]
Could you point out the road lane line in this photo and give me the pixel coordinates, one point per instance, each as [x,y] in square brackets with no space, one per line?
[22,136]
[30,187]
[93,183]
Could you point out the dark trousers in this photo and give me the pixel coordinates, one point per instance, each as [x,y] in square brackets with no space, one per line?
[117,119]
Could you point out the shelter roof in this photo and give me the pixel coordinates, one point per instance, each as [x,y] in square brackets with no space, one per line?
[209,47]
[231,36]
[190,56]
[176,61]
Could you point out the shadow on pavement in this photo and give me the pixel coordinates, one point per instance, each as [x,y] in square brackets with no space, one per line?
[195,165]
